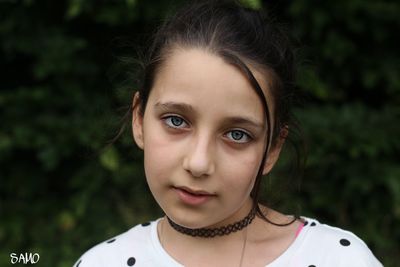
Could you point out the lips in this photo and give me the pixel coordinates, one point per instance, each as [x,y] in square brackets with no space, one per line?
[194,192]
[193,197]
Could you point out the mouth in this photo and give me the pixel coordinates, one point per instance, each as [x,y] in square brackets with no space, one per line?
[193,197]
[194,191]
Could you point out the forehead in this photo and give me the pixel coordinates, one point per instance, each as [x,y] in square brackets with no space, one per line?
[199,77]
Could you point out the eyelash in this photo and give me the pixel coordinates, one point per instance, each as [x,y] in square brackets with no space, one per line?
[168,122]
[248,137]
[171,125]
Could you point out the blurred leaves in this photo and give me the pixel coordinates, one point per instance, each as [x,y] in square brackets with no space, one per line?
[255,4]
[59,109]
[109,158]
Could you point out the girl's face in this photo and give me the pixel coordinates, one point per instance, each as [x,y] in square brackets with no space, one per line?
[203,136]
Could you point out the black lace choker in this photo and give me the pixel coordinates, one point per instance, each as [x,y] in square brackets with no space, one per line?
[219,231]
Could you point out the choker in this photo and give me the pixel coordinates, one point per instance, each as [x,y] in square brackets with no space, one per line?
[219,231]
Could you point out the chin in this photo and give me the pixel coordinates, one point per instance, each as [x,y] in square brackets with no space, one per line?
[191,219]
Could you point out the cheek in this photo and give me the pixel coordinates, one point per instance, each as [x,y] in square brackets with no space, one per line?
[159,154]
[242,170]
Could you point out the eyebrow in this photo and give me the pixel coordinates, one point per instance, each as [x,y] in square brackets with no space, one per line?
[244,121]
[185,108]
[181,107]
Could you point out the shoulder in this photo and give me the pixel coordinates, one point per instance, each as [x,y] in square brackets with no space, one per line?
[117,251]
[325,243]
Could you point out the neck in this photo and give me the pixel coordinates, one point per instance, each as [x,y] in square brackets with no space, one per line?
[218,251]
[216,231]
[218,248]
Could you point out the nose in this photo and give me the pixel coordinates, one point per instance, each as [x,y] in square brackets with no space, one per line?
[199,159]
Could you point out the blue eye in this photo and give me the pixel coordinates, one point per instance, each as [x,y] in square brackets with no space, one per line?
[174,121]
[238,136]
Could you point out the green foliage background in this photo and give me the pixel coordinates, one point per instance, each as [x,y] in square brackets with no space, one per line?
[62,189]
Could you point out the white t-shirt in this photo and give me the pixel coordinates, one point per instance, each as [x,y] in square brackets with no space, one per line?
[317,245]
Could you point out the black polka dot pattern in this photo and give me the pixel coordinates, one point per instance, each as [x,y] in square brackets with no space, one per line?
[131,261]
[344,242]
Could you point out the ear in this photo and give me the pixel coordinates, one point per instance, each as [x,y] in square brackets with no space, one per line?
[275,150]
[137,121]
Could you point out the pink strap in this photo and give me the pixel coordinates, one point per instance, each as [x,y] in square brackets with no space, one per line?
[299,229]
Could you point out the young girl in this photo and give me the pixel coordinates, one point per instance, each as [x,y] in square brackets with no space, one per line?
[212,116]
